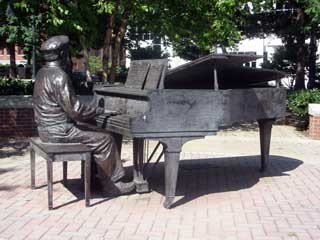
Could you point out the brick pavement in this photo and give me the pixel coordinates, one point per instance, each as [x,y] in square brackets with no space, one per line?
[220,195]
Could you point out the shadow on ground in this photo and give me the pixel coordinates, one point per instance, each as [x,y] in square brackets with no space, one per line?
[13,148]
[199,177]
[76,187]
[6,187]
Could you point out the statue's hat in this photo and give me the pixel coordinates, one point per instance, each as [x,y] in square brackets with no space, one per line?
[55,43]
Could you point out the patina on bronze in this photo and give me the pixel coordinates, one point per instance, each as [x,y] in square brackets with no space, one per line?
[57,110]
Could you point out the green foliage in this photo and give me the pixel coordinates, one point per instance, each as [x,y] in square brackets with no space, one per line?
[17,19]
[189,51]
[95,64]
[147,53]
[192,26]
[122,73]
[25,87]
[313,11]
[15,87]
[298,101]
[284,59]
[202,23]
[4,70]
[104,6]
[286,19]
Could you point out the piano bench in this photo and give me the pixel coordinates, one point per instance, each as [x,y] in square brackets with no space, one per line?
[61,152]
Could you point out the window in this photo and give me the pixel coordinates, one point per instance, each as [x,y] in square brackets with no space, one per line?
[1,51]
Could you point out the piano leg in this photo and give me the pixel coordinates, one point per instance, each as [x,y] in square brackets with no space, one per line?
[171,166]
[265,126]
[138,159]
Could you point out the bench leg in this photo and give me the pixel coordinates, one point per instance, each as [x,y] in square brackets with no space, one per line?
[87,179]
[49,183]
[65,172]
[32,167]
[82,170]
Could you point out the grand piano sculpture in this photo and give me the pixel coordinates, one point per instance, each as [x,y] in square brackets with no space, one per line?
[187,103]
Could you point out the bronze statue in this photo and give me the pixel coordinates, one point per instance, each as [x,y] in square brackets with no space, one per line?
[57,110]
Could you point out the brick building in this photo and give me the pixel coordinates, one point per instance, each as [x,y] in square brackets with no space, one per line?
[5,56]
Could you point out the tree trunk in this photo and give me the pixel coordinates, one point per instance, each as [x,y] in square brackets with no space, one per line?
[299,84]
[224,50]
[300,72]
[115,58]
[106,46]
[13,69]
[86,60]
[117,45]
[312,60]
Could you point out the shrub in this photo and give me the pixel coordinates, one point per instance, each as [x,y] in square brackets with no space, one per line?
[298,102]
[15,87]
[25,87]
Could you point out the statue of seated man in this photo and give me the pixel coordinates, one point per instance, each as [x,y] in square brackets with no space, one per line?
[57,108]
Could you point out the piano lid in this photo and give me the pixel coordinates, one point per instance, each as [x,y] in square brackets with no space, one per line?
[218,60]
[199,74]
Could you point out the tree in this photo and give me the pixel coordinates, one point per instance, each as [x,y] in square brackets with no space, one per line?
[284,59]
[82,26]
[103,23]
[201,23]
[291,20]
[18,19]
[147,53]
[51,17]
[193,23]
[313,10]
[10,32]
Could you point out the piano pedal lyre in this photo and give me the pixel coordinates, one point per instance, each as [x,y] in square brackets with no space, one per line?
[146,173]
[142,160]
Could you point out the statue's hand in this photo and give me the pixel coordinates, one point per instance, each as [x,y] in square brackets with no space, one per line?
[111,113]
[99,111]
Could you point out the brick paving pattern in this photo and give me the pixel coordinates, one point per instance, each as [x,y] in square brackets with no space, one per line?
[220,195]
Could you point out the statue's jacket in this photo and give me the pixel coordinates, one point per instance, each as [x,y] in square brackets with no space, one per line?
[55,104]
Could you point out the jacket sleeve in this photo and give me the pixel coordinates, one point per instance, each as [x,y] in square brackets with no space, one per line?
[71,104]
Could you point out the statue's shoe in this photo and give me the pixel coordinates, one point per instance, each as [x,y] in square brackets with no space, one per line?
[125,187]
[119,188]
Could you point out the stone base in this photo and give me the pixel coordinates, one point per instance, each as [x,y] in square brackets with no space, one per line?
[314,121]
[17,122]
